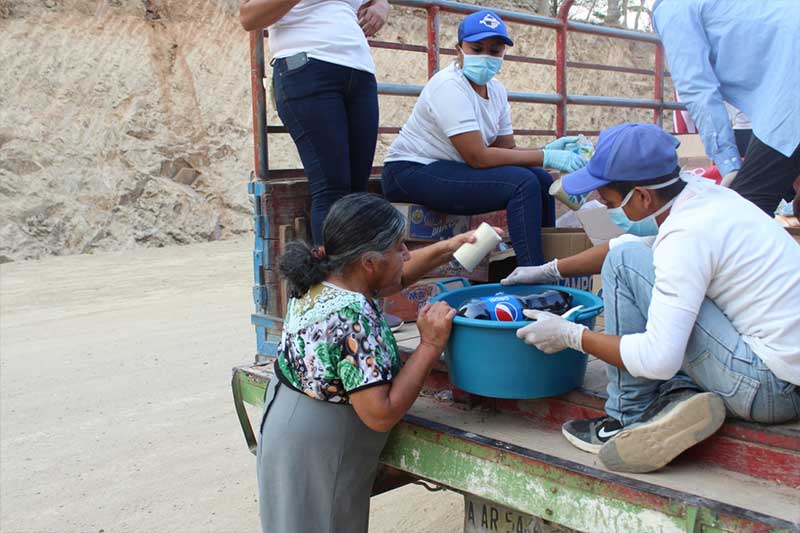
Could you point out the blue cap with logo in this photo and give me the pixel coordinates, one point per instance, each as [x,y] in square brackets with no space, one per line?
[628,152]
[481,25]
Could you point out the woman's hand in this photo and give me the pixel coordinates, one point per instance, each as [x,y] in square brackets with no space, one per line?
[454,243]
[372,16]
[434,323]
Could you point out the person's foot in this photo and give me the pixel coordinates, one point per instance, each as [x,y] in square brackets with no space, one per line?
[673,424]
[395,322]
[590,434]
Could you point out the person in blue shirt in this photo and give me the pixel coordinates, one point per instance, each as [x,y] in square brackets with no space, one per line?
[746,53]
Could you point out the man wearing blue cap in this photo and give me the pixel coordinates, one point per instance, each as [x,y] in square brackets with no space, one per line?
[700,306]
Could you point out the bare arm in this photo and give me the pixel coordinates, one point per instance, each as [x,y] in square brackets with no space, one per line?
[476,154]
[587,262]
[505,141]
[381,407]
[426,259]
[256,14]
[604,347]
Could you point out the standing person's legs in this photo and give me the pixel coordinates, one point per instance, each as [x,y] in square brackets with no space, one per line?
[311,104]
[362,114]
[453,187]
[766,175]
[742,138]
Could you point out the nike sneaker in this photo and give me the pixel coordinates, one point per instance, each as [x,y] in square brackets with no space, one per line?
[673,424]
[591,434]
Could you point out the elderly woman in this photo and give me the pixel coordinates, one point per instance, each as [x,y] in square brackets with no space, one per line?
[339,386]
[457,151]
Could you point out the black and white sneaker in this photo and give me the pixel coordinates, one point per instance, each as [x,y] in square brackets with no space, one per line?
[590,434]
[674,423]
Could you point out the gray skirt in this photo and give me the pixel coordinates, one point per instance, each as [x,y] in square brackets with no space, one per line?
[316,465]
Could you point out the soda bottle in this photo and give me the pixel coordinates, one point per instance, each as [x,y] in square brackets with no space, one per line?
[509,307]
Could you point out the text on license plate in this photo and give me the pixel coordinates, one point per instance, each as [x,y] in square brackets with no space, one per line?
[483,516]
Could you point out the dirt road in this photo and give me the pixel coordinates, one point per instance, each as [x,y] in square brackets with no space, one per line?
[115,403]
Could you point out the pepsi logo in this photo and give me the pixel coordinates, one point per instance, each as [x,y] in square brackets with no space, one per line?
[505,312]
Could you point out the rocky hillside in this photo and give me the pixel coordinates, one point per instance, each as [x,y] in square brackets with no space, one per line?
[126,123]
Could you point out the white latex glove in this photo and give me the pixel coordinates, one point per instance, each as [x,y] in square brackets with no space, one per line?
[728,178]
[551,333]
[546,273]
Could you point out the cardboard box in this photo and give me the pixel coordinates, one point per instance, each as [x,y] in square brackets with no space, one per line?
[453,269]
[407,303]
[424,224]
[495,219]
[691,152]
[598,225]
[557,243]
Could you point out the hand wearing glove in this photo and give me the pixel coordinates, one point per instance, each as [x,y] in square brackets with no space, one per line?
[546,273]
[563,143]
[551,333]
[563,160]
[728,178]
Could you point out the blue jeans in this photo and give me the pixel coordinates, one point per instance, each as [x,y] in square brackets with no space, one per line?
[453,187]
[331,112]
[717,358]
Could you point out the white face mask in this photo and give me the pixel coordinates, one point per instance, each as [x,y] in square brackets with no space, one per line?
[646,226]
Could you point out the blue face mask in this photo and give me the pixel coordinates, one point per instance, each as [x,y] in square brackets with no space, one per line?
[648,225]
[481,69]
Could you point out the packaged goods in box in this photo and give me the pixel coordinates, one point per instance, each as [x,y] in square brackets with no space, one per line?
[453,269]
[496,219]
[407,303]
[424,224]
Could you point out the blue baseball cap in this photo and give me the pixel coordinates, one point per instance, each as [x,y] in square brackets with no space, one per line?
[628,152]
[483,24]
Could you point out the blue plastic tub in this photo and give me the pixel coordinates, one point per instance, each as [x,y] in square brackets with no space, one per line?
[486,357]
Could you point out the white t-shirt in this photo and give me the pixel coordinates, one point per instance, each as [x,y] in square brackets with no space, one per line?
[448,106]
[739,120]
[327,30]
[716,244]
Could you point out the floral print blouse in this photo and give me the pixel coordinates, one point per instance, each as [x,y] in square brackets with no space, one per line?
[335,342]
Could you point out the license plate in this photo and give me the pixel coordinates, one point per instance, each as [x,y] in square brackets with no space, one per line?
[483,516]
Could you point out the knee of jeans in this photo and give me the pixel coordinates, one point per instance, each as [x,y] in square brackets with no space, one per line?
[544,177]
[528,183]
[625,254]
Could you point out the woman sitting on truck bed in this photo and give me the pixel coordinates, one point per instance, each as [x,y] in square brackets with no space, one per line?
[339,386]
[457,152]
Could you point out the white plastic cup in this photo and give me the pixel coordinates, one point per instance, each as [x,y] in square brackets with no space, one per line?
[471,253]
[573,201]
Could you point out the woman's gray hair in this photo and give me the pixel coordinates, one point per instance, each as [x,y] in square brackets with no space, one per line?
[357,226]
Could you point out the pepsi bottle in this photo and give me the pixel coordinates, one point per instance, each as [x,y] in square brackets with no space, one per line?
[509,307]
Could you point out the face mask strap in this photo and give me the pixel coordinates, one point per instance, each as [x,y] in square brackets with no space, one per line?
[650,187]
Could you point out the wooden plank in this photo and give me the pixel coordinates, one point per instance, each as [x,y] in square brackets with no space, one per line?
[507,431]
[768,452]
[518,449]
